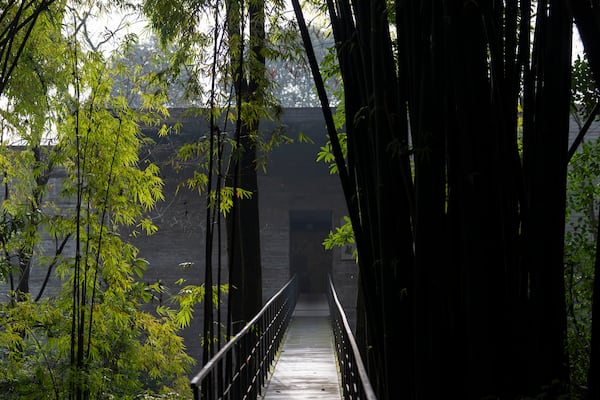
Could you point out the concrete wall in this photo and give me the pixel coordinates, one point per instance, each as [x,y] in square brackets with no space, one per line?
[293,181]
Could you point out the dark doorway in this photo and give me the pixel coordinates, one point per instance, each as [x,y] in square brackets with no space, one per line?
[308,259]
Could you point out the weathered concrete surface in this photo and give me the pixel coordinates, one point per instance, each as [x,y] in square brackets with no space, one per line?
[293,183]
[306,368]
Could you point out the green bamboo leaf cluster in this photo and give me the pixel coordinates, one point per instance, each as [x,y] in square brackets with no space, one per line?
[73,189]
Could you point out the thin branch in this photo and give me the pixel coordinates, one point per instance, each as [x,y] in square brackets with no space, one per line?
[31,20]
[53,263]
[347,183]
[583,131]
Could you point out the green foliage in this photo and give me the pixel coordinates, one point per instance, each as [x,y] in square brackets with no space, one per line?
[580,248]
[584,89]
[96,339]
[131,351]
[226,198]
[343,236]
[189,296]
[332,75]
[325,153]
[302,138]
[583,200]
[37,85]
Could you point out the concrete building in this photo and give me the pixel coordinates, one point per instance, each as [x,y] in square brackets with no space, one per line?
[300,202]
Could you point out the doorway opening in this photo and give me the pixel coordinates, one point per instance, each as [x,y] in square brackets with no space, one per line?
[308,258]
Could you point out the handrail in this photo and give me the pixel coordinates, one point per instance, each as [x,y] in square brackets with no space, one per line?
[239,369]
[355,381]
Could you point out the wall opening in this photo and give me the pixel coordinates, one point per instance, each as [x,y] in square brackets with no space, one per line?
[308,258]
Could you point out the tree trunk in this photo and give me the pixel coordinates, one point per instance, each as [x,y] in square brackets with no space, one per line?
[244,240]
[545,146]
[444,267]
[245,280]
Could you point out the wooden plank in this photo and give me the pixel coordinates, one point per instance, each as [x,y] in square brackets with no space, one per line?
[306,368]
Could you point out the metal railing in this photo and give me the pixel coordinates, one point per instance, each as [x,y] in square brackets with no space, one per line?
[355,382]
[238,371]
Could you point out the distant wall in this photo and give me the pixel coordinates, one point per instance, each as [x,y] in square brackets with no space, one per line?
[293,181]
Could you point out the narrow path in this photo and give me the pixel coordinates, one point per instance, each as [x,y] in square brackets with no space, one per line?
[306,368]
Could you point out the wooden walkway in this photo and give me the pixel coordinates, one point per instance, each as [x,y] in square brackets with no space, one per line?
[306,368]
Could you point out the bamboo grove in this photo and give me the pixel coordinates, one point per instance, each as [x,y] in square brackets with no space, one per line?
[92,337]
[453,163]
[455,179]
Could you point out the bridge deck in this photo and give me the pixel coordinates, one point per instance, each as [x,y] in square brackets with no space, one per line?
[306,368]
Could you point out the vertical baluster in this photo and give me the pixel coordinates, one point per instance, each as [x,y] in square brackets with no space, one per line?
[235,372]
[219,371]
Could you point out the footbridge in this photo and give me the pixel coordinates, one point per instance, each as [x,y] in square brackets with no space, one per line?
[296,347]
